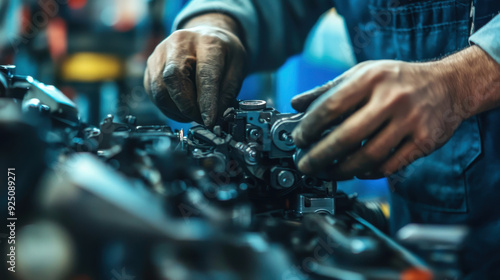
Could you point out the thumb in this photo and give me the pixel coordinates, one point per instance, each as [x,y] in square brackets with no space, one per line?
[302,101]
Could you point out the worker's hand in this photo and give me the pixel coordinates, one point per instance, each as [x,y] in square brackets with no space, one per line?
[302,101]
[403,110]
[196,73]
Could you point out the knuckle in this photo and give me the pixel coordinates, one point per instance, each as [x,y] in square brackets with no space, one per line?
[209,74]
[332,106]
[179,35]
[422,136]
[342,141]
[380,71]
[400,98]
[157,92]
[371,156]
[156,87]
[171,73]
[210,39]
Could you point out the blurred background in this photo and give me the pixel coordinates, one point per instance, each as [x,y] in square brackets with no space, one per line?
[95,51]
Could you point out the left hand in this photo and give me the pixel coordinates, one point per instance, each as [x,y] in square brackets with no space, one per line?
[406,111]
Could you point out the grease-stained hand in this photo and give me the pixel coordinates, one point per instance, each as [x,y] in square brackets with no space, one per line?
[402,111]
[197,72]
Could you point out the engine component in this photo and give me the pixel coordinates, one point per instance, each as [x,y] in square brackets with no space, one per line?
[226,202]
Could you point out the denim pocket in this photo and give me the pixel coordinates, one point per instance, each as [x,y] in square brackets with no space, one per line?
[437,182]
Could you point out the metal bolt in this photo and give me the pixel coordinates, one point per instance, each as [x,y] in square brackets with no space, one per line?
[109,118]
[254,134]
[284,136]
[44,108]
[131,119]
[250,156]
[252,105]
[252,153]
[286,178]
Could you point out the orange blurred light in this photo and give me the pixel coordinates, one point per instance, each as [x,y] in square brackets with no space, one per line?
[77,4]
[57,37]
[124,25]
[416,274]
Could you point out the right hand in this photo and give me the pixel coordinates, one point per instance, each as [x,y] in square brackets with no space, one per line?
[197,72]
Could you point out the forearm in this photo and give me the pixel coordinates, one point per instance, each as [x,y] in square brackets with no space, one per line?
[474,77]
[270,30]
[481,69]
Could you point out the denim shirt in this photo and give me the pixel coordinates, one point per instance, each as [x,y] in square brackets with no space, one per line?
[459,182]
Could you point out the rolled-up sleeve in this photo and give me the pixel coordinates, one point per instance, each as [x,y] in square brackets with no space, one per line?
[273,30]
[488,38]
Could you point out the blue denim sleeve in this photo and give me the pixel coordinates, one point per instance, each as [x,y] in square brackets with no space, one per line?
[488,38]
[273,30]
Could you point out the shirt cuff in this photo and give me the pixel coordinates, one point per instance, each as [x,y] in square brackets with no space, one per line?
[488,38]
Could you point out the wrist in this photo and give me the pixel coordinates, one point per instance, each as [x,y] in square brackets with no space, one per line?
[471,78]
[216,20]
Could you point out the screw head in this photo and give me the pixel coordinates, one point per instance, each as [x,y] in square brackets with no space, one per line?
[254,134]
[286,178]
[252,105]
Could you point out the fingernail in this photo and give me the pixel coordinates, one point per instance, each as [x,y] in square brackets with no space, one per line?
[384,172]
[305,165]
[206,119]
[296,136]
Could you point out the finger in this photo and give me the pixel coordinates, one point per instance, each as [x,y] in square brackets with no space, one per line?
[372,175]
[302,101]
[209,73]
[178,76]
[370,156]
[147,81]
[333,104]
[167,106]
[342,140]
[408,153]
[157,91]
[231,84]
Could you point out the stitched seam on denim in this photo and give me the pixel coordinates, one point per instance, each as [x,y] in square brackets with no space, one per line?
[421,4]
[486,16]
[410,8]
[413,11]
[434,26]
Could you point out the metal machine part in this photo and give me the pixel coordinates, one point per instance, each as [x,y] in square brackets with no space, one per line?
[286,178]
[253,105]
[313,204]
[258,140]
[281,132]
[226,202]
[38,96]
